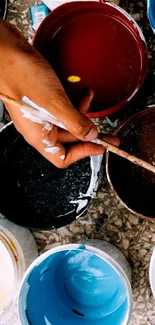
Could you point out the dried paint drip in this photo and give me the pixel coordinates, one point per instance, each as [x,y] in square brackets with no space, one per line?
[47,196]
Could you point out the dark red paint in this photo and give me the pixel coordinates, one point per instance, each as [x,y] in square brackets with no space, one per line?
[99,44]
[135,186]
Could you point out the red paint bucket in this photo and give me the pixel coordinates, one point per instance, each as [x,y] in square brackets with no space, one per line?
[99,46]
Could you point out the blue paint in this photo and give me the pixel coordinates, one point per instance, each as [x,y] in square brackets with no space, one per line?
[151,13]
[73,287]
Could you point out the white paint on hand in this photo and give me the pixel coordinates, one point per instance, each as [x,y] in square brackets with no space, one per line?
[62,157]
[52,150]
[97,141]
[47,142]
[41,113]
[42,110]
[31,117]
[47,126]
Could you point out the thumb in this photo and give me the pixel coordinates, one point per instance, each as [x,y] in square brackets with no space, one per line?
[81,126]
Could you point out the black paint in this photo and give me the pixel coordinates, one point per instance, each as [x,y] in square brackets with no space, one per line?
[34,192]
[77,312]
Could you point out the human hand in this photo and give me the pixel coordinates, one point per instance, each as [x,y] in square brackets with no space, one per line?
[24,72]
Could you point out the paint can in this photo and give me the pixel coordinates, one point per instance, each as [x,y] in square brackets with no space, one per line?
[94,45]
[17,251]
[134,186]
[75,284]
[114,253]
[152,272]
[26,177]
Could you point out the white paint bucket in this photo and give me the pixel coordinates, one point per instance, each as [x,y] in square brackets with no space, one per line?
[17,251]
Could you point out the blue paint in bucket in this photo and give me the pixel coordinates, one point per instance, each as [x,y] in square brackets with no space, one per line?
[73,287]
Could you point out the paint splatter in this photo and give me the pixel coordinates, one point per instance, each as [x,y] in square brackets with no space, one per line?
[48,143]
[52,150]
[74,79]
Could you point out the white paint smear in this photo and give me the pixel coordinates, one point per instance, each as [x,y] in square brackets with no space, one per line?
[47,126]
[47,142]
[95,163]
[32,117]
[7,276]
[42,110]
[52,150]
[41,115]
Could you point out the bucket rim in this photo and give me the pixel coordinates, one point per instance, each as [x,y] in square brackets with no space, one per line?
[143,52]
[115,133]
[96,170]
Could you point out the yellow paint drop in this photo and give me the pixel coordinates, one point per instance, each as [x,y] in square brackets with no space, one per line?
[74,79]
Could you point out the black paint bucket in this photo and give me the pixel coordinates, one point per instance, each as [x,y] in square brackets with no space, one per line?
[36,194]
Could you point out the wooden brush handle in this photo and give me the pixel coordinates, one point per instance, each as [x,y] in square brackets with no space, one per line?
[30,109]
[123,154]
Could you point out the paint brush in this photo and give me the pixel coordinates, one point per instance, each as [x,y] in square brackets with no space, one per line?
[42,113]
[126,155]
[34,111]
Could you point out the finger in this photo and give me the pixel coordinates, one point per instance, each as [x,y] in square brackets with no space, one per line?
[62,158]
[86,101]
[115,141]
[66,137]
[31,131]
[43,140]
[80,151]
[55,154]
[43,137]
[84,149]
[49,136]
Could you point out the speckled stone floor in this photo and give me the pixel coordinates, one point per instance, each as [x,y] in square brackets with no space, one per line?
[107,219]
